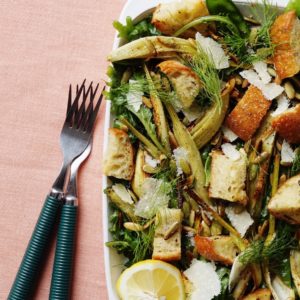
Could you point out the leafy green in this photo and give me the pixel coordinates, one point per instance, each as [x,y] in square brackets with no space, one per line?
[136,246]
[131,31]
[258,45]
[283,269]
[204,67]
[223,274]
[296,163]
[275,251]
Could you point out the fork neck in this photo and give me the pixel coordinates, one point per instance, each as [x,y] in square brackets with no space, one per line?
[58,187]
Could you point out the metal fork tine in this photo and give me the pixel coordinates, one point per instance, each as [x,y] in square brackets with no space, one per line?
[82,110]
[69,99]
[95,92]
[95,112]
[74,107]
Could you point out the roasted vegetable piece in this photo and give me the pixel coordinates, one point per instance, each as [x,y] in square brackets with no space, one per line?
[285,204]
[159,115]
[295,268]
[287,125]
[166,246]
[260,294]
[151,47]
[169,17]
[285,34]
[219,248]
[139,175]
[185,141]
[119,155]
[209,125]
[228,8]
[124,206]
[185,81]
[246,117]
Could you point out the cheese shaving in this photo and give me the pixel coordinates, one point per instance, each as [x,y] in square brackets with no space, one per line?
[287,153]
[262,70]
[215,50]
[230,151]
[240,221]
[282,105]
[229,134]
[205,280]
[178,154]
[149,160]
[134,95]
[269,90]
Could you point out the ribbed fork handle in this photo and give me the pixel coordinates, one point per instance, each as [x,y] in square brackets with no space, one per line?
[63,262]
[23,284]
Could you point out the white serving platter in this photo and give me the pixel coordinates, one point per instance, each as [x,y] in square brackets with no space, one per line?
[136,9]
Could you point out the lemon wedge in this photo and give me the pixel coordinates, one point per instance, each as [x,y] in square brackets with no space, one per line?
[151,280]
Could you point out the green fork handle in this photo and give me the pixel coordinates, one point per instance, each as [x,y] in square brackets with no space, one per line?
[25,278]
[63,262]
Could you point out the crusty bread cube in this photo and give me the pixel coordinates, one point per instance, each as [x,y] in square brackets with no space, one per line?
[248,114]
[169,17]
[285,204]
[287,125]
[184,80]
[167,249]
[228,178]
[217,248]
[285,35]
[119,156]
[260,294]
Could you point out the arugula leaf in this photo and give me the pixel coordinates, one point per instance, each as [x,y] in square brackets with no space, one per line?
[131,31]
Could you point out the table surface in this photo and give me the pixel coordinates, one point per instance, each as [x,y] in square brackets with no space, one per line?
[45,45]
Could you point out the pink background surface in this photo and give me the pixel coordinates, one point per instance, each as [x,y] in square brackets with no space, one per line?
[44,46]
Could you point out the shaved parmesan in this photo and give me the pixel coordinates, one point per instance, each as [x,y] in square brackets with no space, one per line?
[192,113]
[287,153]
[149,160]
[215,50]
[122,192]
[178,154]
[269,90]
[282,105]
[240,221]
[229,134]
[262,70]
[205,280]
[134,95]
[155,195]
[230,151]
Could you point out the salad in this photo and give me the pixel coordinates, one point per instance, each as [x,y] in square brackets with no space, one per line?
[203,155]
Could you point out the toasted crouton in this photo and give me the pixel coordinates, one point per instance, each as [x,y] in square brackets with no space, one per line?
[217,248]
[168,18]
[184,80]
[285,35]
[246,117]
[287,125]
[228,178]
[119,157]
[285,204]
[260,294]
[167,248]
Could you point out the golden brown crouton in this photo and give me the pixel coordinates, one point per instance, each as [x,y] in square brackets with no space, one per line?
[119,157]
[285,204]
[248,113]
[285,35]
[228,178]
[260,294]
[167,248]
[170,17]
[217,248]
[287,125]
[184,80]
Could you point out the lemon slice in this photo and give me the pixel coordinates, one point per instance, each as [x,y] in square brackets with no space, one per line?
[151,280]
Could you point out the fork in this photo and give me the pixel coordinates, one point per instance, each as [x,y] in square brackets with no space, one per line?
[75,139]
